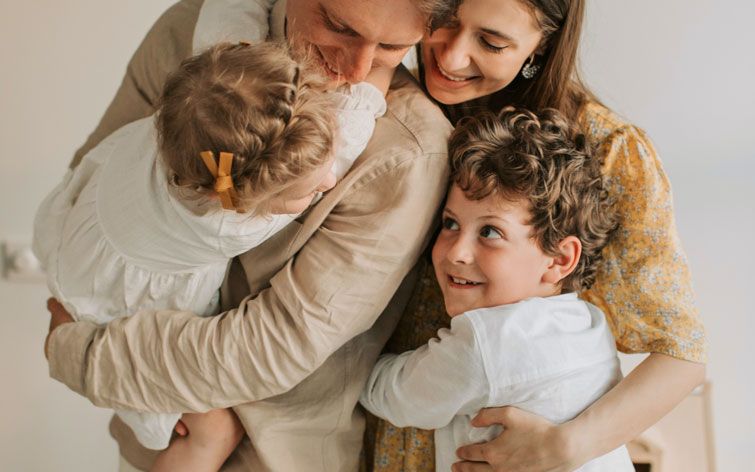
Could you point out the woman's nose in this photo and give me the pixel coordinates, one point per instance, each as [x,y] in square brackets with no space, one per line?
[453,54]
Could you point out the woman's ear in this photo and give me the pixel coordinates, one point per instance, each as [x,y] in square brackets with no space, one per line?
[564,263]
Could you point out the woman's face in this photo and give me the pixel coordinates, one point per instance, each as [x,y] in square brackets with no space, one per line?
[482,52]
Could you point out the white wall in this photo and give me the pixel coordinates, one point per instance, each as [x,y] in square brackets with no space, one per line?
[681,69]
[61,64]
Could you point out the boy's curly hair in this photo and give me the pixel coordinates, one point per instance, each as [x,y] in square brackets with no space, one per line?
[254,101]
[542,159]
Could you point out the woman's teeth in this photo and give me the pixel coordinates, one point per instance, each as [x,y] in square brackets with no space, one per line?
[451,77]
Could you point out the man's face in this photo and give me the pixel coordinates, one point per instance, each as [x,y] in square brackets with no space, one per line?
[351,37]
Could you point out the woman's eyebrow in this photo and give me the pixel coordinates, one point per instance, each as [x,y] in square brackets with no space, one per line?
[498,34]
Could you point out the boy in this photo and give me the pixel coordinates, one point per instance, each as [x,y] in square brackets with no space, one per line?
[524,223]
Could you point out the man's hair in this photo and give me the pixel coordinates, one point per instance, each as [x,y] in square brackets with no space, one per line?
[254,101]
[541,159]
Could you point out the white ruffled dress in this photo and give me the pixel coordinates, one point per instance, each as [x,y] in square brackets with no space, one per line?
[115,239]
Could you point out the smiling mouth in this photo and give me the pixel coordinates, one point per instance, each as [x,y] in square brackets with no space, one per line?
[449,76]
[463,282]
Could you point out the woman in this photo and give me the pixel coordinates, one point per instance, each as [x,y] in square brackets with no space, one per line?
[487,54]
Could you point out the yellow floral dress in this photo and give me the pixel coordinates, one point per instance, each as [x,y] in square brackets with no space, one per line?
[643,285]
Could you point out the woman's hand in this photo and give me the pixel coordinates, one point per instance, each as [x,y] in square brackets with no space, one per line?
[527,443]
[58,316]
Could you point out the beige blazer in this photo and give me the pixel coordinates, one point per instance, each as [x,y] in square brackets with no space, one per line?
[304,324]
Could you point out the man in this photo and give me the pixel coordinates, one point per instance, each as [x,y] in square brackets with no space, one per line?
[306,324]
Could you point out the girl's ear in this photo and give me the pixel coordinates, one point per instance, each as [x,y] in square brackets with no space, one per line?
[564,263]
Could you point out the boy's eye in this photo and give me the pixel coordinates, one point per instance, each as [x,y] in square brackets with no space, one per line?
[450,224]
[488,232]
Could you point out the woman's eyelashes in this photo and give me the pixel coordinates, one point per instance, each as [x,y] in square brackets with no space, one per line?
[491,47]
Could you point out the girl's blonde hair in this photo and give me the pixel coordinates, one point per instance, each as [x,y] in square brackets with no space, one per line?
[254,101]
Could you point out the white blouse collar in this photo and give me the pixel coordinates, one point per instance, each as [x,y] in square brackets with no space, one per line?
[237,20]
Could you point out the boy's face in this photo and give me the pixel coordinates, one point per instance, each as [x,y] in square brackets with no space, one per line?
[348,38]
[484,255]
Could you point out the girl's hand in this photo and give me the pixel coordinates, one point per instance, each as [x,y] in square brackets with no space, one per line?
[528,443]
[58,316]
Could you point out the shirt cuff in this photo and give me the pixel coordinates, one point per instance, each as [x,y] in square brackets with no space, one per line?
[67,351]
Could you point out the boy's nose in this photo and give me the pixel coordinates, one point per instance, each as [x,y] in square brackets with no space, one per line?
[460,252]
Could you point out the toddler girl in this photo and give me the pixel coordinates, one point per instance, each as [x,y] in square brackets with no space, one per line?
[243,140]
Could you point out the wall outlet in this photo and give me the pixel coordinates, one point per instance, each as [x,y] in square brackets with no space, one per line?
[19,263]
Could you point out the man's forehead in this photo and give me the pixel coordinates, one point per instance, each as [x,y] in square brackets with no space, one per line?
[398,22]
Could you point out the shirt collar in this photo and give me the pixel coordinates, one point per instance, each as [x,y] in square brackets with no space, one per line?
[237,20]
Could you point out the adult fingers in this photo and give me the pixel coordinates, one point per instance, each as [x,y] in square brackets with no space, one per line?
[471,467]
[473,452]
[498,415]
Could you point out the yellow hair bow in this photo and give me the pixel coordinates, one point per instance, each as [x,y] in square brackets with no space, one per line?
[223,180]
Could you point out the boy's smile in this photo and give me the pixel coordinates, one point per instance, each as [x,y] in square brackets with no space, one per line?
[485,254]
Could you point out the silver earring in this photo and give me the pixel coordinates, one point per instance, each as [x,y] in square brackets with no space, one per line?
[530,69]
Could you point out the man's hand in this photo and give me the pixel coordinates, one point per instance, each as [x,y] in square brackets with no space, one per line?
[528,443]
[58,316]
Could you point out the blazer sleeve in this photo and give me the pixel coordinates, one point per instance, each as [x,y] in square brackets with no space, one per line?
[333,289]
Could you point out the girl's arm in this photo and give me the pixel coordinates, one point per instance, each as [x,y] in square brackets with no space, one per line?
[533,444]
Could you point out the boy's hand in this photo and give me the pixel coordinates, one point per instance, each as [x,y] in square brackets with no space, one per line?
[381,78]
[58,316]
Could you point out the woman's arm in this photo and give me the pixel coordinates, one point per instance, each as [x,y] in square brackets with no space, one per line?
[530,443]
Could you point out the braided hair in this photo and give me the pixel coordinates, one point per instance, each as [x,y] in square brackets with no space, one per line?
[254,101]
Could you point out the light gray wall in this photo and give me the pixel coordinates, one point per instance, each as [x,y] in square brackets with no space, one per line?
[680,69]
[683,70]
[61,64]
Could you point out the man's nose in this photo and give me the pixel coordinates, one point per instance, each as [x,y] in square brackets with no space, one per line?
[358,63]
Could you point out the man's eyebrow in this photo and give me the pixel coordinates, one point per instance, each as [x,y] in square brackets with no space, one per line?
[344,28]
[498,34]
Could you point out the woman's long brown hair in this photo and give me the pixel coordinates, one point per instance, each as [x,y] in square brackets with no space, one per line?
[557,84]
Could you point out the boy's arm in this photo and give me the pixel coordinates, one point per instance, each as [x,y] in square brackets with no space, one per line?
[427,387]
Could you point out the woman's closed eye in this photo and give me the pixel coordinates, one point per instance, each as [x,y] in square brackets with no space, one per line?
[490,46]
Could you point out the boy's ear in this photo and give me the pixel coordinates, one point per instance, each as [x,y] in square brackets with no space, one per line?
[563,264]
